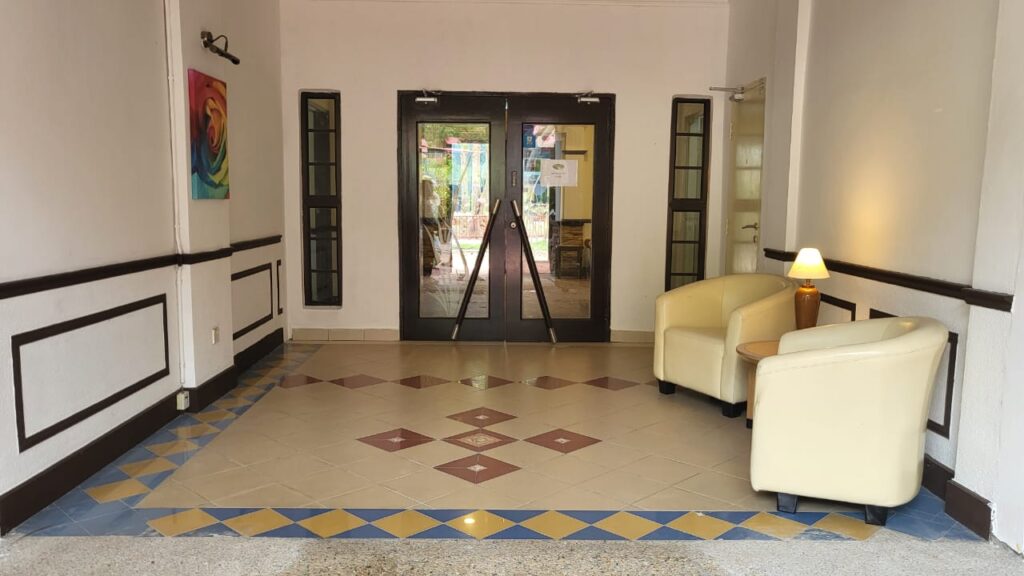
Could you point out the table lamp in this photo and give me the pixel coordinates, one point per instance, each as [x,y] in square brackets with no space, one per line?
[807,266]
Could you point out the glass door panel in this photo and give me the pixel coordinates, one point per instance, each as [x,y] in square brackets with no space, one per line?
[558,207]
[454,208]
[744,217]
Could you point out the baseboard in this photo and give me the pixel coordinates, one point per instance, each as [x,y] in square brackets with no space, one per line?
[251,355]
[632,336]
[345,334]
[936,476]
[212,389]
[36,493]
[969,509]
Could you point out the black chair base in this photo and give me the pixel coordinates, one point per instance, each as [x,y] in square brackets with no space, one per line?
[787,502]
[733,410]
[666,387]
[876,515]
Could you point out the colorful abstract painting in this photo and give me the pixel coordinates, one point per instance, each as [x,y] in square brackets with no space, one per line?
[208,145]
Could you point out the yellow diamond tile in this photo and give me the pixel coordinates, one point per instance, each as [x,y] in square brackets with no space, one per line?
[257,522]
[194,431]
[405,524]
[554,524]
[627,525]
[244,391]
[117,490]
[145,467]
[214,416]
[331,523]
[774,525]
[182,522]
[480,524]
[231,403]
[175,447]
[846,526]
[701,525]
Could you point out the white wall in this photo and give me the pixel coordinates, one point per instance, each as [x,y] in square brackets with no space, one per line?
[86,141]
[895,119]
[370,50]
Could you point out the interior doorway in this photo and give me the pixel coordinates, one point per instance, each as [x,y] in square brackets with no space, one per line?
[743,220]
[467,163]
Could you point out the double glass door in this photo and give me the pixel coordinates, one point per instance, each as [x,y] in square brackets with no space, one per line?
[467,163]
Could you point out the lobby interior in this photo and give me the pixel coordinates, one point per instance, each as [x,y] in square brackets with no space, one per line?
[281,295]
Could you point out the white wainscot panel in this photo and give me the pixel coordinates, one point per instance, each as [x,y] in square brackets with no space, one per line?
[252,299]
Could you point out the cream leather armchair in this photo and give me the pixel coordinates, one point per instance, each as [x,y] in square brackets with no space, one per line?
[698,326]
[842,411]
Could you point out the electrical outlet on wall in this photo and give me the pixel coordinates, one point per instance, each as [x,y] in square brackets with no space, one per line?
[183,400]
[215,335]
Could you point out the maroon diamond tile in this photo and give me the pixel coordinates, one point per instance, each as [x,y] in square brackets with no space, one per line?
[395,440]
[484,382]
[548,382]
[481,417]
[562,441]
[477,468]
[480,440]
[610,383]
[296,380]
[357,381]
[421,381]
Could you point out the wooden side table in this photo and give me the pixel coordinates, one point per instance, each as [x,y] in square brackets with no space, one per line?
[754,352]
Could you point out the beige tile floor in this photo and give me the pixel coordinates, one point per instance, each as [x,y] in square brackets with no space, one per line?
[299,446]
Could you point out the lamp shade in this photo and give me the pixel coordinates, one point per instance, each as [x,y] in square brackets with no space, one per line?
[808,265]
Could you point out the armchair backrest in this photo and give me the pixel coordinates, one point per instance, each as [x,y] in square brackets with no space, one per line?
[738,290]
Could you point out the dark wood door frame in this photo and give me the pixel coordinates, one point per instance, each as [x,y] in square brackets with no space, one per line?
[505,281]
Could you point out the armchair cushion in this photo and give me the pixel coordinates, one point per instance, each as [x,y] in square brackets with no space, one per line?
[695,358]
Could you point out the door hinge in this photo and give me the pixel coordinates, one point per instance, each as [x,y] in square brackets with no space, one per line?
[732,129]
[515,179]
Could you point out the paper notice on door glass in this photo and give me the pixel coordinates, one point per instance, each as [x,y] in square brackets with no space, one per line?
[558,172]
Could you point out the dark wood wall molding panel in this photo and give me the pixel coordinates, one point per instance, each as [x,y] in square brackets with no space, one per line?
[251,355]
[840,303]
[270,315]
[969,509]
[26,441]
[280,305]
[53,281]
[936,476]
[212,389]
[31,496]
[256,243]
[25,286]
[953,341]
[969,294]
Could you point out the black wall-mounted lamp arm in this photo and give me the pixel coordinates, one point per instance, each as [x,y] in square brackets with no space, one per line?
[209,42]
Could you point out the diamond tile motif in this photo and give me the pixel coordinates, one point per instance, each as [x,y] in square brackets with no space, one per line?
[701,525]
[405,524]
[609,383]
[147,467]
[357,381]
[846,526]
[548,382]
[116,490]
[258,522]
[395,440]
[773,525]
[484,382]
[480,524]
[554,524]
[331,523]
[480,440]
[421,381]
[195,431]
[627,525]
[481,417]
[296,380]
[214,416]
[182,522]
[171,448]
[477,468]
[562,441]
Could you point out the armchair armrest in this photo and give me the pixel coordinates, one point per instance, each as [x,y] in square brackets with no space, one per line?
[766,319]
[822,337]
[697,305]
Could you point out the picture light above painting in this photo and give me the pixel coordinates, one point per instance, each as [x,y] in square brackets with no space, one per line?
[208,136]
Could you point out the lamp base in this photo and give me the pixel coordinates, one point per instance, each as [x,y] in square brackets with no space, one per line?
[806,303]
